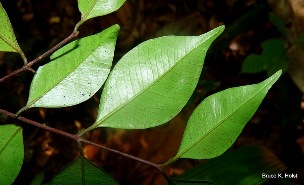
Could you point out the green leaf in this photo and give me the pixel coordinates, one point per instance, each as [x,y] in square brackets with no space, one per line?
[76,73]
[152,82]
[217,122]
[11,153]
[82,171]
[272,59]
[278,23]
[95,8]
[244,166]
[8,40]
[253,64]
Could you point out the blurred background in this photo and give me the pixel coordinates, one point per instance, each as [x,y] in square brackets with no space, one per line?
[261,37]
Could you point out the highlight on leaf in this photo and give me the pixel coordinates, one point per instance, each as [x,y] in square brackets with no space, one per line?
[153,82]
[76,72]
[217,122]
[95,8]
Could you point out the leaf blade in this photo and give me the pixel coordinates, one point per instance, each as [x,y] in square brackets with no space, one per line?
[153,81]
[253,64]
[82,171]
[11,152]
[272,59]
[77,71]
[95,8]
[221,118]
[8,41]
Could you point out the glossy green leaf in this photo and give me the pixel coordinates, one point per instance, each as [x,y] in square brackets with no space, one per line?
[152,82]
[272,59]
[8,40]
[217,122]
[95,8]
[11,153]
[244,166]
[76,73]
[82,171]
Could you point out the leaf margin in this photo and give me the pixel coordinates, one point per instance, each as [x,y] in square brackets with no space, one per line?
[271,80]
[204,37]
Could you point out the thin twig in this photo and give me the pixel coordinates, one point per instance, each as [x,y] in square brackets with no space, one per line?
[12,74]
[30,64]
[64,41]
[79,139]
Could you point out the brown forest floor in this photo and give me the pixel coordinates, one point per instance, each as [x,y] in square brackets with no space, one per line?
[39,25]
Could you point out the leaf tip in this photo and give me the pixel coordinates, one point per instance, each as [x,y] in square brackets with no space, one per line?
[219,29]
[116,27]
[277,74]
[214,33]
[222,27]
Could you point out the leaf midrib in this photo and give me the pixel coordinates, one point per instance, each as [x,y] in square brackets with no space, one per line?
[51,87]
[10,139]
[222,121]
[64,76]
[98,123]
[89,10]
[17,49]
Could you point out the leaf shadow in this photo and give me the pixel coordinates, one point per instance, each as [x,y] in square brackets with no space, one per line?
[76,45]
